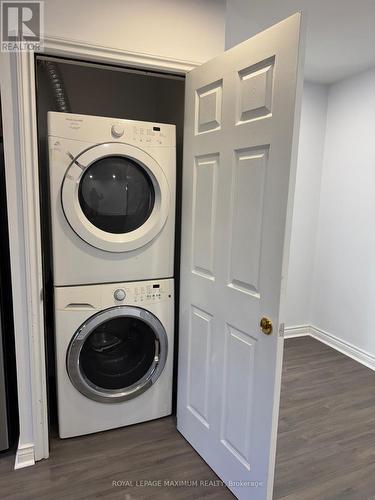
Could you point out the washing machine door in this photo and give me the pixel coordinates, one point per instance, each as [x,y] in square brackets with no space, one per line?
[115,197]
[117,354]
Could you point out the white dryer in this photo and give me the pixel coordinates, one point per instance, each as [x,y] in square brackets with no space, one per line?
[112,185]
[114,354]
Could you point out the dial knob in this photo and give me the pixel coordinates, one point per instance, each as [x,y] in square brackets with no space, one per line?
[119,294]
[117,130]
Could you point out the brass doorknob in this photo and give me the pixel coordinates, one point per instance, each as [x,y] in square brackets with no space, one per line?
[266,326]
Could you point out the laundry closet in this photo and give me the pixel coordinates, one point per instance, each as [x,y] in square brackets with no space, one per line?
[116,135]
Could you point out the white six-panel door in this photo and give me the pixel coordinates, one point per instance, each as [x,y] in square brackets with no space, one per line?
[239,122]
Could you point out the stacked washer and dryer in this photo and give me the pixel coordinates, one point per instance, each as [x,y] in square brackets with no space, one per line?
[112,188]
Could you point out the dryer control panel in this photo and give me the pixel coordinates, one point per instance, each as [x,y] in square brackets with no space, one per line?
[141,133]
[98,129]
[149,135]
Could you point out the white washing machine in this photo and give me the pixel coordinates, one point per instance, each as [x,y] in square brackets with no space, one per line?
[112,185]
[114,354]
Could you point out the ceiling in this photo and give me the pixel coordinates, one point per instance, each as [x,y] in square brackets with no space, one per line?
[340,39]
[340,33]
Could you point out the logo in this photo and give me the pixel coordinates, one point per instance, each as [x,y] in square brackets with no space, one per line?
[21,26]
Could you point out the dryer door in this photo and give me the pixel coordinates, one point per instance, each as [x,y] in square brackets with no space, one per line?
[115,197]
[117,354]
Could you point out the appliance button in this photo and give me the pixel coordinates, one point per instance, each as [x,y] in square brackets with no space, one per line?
[117,130]
[119,294]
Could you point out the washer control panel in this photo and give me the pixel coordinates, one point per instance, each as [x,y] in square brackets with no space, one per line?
[98,297]
[138,293]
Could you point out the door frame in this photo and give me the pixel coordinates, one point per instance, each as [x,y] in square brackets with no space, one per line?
[18,89]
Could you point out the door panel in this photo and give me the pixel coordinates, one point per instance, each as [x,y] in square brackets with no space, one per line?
[249,170]
[204,194]
[199,359]
[239,126]
[236,411]
[255,91]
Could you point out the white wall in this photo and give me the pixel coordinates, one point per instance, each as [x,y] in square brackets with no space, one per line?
[344,285]
[192,30]
[306,204]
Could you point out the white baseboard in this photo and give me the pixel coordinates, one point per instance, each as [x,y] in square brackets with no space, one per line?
[359,355]
[291,332]
[25,456]
[363,357]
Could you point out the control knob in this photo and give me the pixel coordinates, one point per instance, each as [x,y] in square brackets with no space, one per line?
[119,294]
[117,130]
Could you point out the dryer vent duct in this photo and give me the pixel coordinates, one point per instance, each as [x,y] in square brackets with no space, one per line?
[57,84]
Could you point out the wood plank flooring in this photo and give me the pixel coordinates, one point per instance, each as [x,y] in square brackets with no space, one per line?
[84,468]
[326,440]
[326,445]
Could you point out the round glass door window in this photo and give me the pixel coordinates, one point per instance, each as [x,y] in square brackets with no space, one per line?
[117,354]
[116,194]
[115,197]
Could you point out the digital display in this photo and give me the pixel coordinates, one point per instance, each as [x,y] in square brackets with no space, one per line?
[157,129]
[155,286]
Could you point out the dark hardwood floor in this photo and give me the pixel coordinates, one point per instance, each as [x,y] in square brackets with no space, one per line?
[87,467]
[326,441]
[326,445]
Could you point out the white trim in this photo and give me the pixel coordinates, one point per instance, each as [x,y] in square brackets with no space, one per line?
[76,49]
[20,148]
[22,175]
[353,352]
[24,456]
[291,332]
[363,357]
[33,253]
